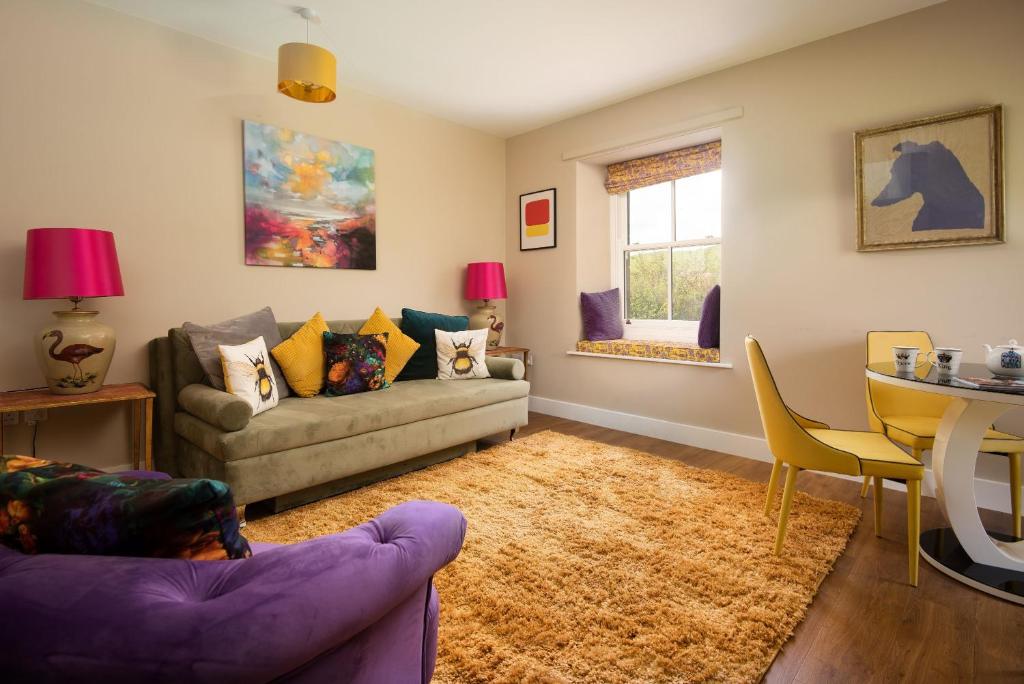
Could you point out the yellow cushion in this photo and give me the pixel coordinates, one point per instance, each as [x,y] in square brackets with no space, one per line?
[877,455]
[400,347]
[918,432]
[301,357]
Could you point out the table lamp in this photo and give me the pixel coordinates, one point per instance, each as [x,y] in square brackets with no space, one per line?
[75,351]
[486,280]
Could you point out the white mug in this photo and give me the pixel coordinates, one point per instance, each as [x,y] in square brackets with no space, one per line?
[946,360]
[906,359]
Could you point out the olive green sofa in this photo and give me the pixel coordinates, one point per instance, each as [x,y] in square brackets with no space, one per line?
[305,449]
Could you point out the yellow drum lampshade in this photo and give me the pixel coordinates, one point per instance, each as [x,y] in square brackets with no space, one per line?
[306,72]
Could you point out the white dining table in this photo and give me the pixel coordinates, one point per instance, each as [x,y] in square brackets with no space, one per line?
[989,561]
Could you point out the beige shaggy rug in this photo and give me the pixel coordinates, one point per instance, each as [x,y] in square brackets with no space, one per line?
[585,562]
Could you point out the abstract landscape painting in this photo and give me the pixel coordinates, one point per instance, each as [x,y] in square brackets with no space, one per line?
[308,201]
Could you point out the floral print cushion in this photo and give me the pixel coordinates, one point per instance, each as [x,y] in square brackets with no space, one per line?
[50,507]
[355,363]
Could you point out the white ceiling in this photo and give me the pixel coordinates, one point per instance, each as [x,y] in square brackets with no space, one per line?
[508,66]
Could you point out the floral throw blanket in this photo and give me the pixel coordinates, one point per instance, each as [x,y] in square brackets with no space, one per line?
[51,507]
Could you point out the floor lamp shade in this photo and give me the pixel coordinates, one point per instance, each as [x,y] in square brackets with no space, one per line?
[486,280]
[75,351]
[307,72]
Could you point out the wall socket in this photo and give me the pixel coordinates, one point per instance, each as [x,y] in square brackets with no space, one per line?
[10,418]
[35,416]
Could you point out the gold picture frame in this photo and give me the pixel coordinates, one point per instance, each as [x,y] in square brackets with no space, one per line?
[931,182]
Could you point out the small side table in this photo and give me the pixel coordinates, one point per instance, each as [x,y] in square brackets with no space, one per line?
[139,396]
[505,351]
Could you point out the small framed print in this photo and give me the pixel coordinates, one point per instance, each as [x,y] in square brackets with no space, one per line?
[934,182]
[537,228]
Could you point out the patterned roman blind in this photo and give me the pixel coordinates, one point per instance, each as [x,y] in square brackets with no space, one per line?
[667,166]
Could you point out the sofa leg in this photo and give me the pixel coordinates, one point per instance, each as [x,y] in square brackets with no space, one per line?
[240,512]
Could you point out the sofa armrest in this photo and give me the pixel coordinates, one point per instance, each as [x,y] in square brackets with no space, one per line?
[216,407]
[505,368]
[172,618]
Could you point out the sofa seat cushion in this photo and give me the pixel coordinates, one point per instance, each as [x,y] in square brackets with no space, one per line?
[298,422]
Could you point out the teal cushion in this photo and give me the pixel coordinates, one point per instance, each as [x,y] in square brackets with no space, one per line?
[420,326]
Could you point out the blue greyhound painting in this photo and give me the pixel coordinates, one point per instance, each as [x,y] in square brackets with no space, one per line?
[951,200]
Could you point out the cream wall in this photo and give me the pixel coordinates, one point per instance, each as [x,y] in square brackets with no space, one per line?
[111,122]
[791,273]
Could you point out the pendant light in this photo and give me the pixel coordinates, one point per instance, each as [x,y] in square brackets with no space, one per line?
[305,71]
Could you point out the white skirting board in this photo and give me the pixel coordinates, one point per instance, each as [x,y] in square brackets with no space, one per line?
[990,494]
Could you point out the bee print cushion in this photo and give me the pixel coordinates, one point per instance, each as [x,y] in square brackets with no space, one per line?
[461,355]
[247,374]
[355,363]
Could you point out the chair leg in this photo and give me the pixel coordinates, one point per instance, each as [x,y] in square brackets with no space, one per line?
[918,454]
[878,506]
[913,527]
[787,500]
[1015,483]
[773,485]
[864,487]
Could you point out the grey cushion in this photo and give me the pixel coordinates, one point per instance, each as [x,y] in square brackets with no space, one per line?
[205,338]
[298,422]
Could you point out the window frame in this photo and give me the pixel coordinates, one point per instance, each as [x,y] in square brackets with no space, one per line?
[649,329]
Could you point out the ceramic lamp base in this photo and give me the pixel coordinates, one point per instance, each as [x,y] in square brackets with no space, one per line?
[74,352]
[487,317]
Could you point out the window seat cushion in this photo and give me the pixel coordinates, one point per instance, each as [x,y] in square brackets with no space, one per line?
[675,351]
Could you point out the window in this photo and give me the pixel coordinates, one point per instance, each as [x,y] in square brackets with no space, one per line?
[668,245]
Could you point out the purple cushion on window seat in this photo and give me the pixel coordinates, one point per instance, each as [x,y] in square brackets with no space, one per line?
[602,315]
[709,332]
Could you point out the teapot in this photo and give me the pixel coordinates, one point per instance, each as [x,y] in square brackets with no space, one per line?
[1005,360]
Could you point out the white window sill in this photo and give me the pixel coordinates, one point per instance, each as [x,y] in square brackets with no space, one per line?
[719,364]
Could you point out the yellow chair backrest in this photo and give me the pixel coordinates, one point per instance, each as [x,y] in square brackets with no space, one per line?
[787,440]
[888,400]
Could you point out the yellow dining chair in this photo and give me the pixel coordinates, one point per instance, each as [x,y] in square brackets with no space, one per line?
[805,444]
[912,418]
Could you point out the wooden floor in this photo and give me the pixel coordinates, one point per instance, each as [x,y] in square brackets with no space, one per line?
[867,624]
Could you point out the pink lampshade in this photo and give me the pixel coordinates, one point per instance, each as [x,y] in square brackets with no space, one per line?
[486,280]
[61,263]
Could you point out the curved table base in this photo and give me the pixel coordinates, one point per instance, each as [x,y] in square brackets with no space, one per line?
[941,549]
[954,458]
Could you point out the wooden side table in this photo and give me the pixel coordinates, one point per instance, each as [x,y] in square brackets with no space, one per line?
[505,351]
[139,396]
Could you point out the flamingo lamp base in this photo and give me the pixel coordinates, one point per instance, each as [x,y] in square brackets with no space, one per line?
[74,352]
[487,317]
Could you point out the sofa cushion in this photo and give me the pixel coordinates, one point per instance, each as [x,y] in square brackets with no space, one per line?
[462,355]
[224,410]
[301,357]
[49,507]
[247,375]
[401,347]
[206,338]
[355,363]
[301,422]
[420,326]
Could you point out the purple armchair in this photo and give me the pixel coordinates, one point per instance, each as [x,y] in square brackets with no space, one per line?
[357,606]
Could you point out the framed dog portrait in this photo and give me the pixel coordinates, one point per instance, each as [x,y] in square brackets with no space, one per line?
[934,182]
